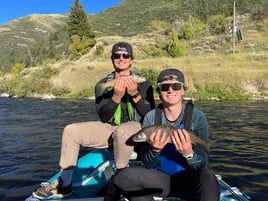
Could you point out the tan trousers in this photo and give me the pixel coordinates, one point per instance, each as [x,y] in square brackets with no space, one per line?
[95,134]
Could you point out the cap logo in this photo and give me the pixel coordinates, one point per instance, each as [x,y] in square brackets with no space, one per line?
[121,49]
[171,77]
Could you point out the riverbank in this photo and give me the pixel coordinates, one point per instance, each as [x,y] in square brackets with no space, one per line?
[226,77]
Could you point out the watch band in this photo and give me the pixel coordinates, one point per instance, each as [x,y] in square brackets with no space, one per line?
[190,156]
[136,95]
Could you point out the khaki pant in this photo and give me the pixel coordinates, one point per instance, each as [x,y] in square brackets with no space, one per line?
[95,134]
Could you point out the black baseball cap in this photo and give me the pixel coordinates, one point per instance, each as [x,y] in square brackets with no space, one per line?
[170,74]
[122,46]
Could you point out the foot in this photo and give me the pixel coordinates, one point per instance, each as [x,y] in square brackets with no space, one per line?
[54,190]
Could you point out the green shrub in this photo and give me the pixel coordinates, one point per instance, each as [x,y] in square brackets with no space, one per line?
[99,50]
[60,91]
[187,32]
[217,24]
[17,68]
[174,47]
[82,94]
[151,74]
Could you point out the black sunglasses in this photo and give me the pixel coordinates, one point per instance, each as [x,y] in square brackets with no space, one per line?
[118,56]
[175,86]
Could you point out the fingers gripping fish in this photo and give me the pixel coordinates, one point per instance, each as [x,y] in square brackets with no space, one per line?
[110,83]
[144,133]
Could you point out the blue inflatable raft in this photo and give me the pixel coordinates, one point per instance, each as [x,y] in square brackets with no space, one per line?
[95,169]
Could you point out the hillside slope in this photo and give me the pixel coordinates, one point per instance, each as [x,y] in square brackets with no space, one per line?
[127,19]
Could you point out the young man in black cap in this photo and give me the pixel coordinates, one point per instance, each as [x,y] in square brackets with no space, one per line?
[120,109]
[176,169]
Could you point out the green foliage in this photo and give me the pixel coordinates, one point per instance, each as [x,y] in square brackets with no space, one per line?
[261,26]
[78,23]
[152,50]
[219,91]
[60,91]
[17,68]
[174,47]
[217,24]
[187,32]
[36,83]
[99,50]
[39,39]
[198,27]
[79,30]
[50,48]
[79,46]
[158,25]
[82,94]
[45,73]
[151,74]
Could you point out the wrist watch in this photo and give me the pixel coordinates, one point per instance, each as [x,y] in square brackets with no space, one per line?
[189,156]
[136,95]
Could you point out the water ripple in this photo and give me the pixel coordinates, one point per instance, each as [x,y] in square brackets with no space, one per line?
[30,140]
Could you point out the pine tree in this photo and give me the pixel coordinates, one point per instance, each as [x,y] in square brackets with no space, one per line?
[78,23]
[78,27]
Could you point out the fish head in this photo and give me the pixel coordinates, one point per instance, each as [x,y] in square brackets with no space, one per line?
[139,78]
[140,137]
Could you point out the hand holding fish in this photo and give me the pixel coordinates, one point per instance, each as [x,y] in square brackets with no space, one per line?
[111,82]
[132,86]
[182,141]
[144,134]
[119,89]
[158,140]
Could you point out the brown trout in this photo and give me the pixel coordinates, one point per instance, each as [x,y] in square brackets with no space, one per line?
[144,133]
[110,83]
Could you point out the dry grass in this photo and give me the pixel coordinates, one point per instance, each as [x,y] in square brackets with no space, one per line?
[243,71]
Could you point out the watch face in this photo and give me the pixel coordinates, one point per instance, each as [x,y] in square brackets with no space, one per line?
[136,95]
[190,156]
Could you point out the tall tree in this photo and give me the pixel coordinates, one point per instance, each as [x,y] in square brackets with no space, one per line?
[79,28]
[78,23]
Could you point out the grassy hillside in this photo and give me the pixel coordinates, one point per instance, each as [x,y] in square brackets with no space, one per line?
[211,70]
[208,75]
[19,36]
[24,39]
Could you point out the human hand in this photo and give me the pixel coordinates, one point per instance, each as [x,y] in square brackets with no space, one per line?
[120,87]
[182,141]
[158,140]
[131,85]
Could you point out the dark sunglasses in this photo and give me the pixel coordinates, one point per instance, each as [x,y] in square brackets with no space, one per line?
[118,56]
[175,86]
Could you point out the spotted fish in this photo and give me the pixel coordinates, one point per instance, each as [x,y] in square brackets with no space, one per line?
[144,133]
[110,83]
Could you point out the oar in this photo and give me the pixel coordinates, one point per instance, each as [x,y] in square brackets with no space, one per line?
[224,185]
[100,168]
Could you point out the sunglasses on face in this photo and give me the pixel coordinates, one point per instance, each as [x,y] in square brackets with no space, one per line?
[175,86]
[118,56]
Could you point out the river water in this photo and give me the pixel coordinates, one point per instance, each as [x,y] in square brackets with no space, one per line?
[30,139]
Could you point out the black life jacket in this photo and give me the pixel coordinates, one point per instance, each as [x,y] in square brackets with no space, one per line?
[170,160]
[186,120]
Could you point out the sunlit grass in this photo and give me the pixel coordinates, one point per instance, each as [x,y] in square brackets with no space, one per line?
[239,76]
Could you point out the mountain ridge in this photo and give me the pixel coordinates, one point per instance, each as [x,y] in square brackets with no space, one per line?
[127,19]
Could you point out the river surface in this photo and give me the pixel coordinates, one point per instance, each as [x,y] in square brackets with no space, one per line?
[31,129]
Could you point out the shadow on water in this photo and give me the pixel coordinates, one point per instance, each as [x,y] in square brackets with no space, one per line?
[30,140]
